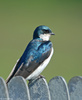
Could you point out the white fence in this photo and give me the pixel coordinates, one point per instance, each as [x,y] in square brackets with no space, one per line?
[39,89]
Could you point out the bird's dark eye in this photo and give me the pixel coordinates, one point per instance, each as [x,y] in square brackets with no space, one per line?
[46,31]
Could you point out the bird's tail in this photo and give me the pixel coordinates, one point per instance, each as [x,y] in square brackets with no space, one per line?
[11,75]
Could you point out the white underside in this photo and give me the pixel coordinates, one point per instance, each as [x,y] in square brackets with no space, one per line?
[40,68]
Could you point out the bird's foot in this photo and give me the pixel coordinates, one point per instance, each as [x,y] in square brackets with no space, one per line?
[41,76]
[38,77]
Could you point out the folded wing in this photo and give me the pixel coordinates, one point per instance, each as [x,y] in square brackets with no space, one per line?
[25,66]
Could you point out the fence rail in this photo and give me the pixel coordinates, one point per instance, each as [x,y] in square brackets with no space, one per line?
[39,89]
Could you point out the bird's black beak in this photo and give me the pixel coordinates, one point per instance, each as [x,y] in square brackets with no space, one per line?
[52,34]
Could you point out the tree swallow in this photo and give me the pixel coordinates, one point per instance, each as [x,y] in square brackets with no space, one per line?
[36,55]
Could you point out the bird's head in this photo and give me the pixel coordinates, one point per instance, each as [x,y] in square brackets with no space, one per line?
[42,32]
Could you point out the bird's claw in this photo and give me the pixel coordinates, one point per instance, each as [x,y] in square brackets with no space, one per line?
[41,76]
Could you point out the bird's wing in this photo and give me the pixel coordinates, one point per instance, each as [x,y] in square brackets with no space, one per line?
[33,59]
[37,58]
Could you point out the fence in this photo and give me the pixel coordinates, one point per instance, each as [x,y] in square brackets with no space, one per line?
[39,89]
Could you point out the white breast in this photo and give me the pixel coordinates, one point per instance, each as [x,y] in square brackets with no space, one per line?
[45,37]
[40,68]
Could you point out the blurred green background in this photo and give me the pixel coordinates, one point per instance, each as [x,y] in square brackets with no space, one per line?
[19,18]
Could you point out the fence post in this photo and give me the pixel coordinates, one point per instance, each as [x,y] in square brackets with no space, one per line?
[58,89]
[18,89]
[39,89]
[75,88]
[3,90]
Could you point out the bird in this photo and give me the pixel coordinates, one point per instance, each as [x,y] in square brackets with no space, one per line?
[36,56]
